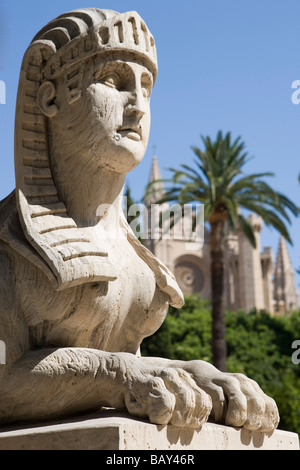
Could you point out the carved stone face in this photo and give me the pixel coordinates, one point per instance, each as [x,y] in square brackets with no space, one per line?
[112,117]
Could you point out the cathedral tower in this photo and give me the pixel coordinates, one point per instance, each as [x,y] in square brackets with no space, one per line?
[285,291]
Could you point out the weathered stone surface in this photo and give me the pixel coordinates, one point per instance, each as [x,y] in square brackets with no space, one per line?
[118,431]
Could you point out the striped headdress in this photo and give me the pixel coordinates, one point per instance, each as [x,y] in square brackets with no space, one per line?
[60,49]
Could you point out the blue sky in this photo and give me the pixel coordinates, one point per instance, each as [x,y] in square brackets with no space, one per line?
[222,65]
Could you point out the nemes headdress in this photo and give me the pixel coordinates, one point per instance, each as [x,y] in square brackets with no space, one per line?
[60,50]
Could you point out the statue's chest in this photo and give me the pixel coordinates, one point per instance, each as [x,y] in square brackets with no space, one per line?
[114,315]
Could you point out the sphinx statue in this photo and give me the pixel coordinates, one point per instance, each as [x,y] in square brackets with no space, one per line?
[79,292]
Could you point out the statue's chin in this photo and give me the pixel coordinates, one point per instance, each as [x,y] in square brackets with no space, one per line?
[126,154]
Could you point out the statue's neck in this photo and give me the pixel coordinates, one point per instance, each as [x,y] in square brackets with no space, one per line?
[92,197]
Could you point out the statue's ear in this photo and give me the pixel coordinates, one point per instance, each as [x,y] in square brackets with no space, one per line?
[45,98]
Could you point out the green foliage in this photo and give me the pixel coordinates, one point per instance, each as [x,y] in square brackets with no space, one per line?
[185,334]
[258,345]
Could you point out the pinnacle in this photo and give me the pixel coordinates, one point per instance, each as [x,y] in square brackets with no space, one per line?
[155,175]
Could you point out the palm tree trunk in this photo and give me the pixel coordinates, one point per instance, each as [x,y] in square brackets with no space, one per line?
[217,247]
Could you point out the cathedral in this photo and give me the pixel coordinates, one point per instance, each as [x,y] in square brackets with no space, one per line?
[253,279]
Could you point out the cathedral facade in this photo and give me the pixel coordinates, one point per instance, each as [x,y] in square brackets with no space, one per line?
[253,279]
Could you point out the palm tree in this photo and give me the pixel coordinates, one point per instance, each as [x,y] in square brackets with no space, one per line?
[217,181]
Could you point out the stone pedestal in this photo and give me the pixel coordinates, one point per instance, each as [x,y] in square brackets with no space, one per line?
[118,431]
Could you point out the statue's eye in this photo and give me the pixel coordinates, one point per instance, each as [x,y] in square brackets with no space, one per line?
[112,81]
[146,91]
[146,84]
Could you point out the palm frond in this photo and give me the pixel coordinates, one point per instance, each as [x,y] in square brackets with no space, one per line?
[218,178]
[247,228]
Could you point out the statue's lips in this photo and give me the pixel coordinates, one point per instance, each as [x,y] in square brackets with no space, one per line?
[133,132]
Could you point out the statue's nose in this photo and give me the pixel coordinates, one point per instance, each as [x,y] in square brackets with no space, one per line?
[136,104]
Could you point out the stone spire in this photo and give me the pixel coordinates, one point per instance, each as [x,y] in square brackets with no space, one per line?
[154,211]
[158,187]
[285,291]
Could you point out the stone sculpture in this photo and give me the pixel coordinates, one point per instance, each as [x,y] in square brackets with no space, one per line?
[78,291]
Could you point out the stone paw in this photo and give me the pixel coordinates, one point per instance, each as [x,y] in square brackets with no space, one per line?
[236,399]
[168,396]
